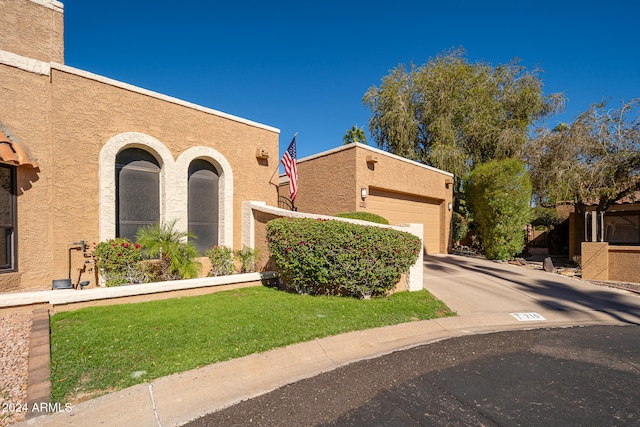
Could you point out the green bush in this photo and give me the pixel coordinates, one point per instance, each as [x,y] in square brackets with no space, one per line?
[459,227]
[119,261]
[221,258]
[248,258]
[363,216]
[176,256]
[340,258]
[499,193]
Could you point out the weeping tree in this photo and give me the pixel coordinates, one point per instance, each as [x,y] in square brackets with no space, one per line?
[595,159]
[454,114]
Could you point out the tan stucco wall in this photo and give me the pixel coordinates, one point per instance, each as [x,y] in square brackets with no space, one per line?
[100,111]
[331,182]
[595,260]
[26,112]
[601,261]
[576,233]
[392,174]
[327,184]
[33,29]
[624,263]
[64,120]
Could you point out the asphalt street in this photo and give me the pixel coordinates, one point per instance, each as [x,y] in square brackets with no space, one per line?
[587,376]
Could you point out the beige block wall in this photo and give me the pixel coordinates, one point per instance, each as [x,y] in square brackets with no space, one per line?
[327,184]
[624,263]
[392,174]
[34,29]
[330,183]
[26,112]
[99,111]
[595,260]
[65,120]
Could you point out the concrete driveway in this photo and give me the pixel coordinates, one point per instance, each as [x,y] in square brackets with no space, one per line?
[472,286]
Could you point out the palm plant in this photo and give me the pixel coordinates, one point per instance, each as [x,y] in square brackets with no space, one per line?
[355,134]
[176,255]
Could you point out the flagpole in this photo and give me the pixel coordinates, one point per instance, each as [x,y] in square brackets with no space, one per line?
[278,167]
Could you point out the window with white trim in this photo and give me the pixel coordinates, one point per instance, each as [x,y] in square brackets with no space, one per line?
[137,191]
[203,204]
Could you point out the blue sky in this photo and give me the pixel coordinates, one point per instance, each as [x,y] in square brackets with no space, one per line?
[303,66]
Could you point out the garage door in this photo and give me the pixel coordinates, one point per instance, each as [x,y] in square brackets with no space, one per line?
[404,208]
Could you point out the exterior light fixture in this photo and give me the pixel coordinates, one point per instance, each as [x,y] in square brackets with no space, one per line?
[450,206]
[363,193]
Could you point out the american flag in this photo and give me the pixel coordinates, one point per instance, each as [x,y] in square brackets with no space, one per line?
[291,168]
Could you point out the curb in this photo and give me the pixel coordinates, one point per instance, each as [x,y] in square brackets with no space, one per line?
[38,383]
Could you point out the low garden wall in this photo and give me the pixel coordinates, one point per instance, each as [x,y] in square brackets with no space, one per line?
[601,261]
[71,299]
[255,216]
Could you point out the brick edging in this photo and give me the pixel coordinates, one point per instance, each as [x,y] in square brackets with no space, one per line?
[38,383]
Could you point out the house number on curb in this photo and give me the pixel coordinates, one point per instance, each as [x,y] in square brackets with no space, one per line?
[527,317]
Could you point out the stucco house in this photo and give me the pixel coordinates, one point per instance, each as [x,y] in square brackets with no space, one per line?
[357,177]
[84,158]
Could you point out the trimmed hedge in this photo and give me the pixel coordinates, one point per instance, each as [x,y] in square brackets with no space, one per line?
[363,216]
[339,258]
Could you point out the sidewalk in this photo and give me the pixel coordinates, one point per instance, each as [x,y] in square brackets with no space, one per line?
[489,297]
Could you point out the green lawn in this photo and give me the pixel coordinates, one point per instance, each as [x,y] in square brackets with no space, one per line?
[102,349]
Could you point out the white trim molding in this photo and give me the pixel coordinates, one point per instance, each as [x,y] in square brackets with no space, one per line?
[51,4]
[136,89]
[174,183]
[23,63]
[107,178]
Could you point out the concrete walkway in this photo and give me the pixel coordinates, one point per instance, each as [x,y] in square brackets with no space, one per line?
[488,297]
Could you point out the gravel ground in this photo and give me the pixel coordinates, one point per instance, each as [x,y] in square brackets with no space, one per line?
[15,332]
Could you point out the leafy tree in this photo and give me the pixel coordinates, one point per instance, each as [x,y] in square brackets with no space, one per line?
[355,134]
[499,193]
[545,217]
[176,255]
[594,159]
[453,114]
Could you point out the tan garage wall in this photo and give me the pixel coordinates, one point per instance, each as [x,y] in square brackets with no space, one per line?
[400,190]
[400,208]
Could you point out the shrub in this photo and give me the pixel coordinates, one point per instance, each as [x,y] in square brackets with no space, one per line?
[248,257]
[340,258]
[176,257]
[363,216]
[221,258]
[499,193]
[459,227]
[119,261]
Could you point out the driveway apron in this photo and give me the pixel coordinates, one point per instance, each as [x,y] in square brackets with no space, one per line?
[477,286]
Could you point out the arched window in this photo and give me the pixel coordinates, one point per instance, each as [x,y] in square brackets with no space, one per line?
[137,191]
[203,204]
